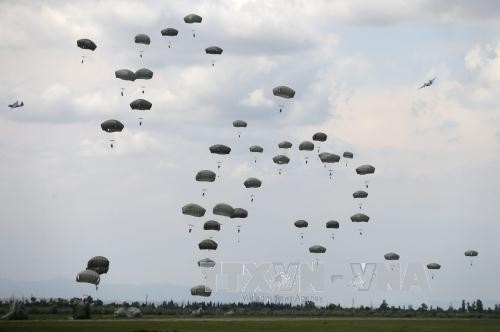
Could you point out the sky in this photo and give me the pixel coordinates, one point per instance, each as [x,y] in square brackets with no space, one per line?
[356,67]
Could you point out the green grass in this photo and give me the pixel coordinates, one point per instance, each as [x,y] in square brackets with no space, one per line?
[256,324]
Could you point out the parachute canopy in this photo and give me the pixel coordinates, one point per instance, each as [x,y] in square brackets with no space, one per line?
[220,149]
[205,175]
[88,276]
[239,124]
[301,223]
[192,18]
[327,157]
[211,225]
[433,266]
[223,209]
[360,217]
[206,262]
[239,213]
[252,183]
[143,74]
[141,104]
[207,244]
[281,159]
[125,74]
[201,291]
[285,145]
[391,256]
[112,126]
[320,137]
[169,32]
[256,148]
[332,224]
[360,194]
[365,169]
[284,92]
[86,44]
[98,264]
[348,154]
[307,146]
[194,210]
[142,39]
[471,253]
[213,50]
[317,249]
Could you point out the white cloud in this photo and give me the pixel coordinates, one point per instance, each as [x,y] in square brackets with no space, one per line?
[256,98]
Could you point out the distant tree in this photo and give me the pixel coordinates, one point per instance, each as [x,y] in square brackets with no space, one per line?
[479,305]
[423,307]
[463,308]
[383,306]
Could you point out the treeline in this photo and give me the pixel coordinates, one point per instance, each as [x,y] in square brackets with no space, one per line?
[473,309]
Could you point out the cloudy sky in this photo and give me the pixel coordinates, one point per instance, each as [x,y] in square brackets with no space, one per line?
[356,67]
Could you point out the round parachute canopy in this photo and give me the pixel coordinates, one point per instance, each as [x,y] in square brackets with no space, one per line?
[220,149]
[239,213]
[301,224]
[471,253]
[169,32]
[112,126]
[223,209]
[307,146]
[348,154]
[205,176]
[317,249]
[88,276]
[285,145]
[125,74]
[206,262]
[360,217]
[142,39]
[98,264]
[391,256]
[213,50]
[252,183]
[360,194]
[194,210]
[201,291]
[86,44]
[332,224]
[143,74]
[365,169]
[320,137]
[141,104]
[281,159]
[207,244]
[256,148]
[327,157]
[239,124]
[192,18]
[433,266]
[284,92]
[211,225]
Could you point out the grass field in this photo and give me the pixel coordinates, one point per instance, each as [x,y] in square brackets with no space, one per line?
[256,324]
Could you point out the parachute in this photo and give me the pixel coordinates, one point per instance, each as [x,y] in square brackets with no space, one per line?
[256,148]
[193,210]
[220,149]
[360,194]
[206,262]
[306,146]
[320,137]
[239,213]
[281,159]
[141,104]
[86,44]
[208,244]
[170,32]
[334,225]
[252,183]
[365,169]
[142,39]
[143,74]
[213,50]
[301,224]
[223,209]
[211,225]
[283,92]
[391,256]
[201,290]
[192,18]
[329,158]
[205,176]
[98,264]
[125,74]
[89,276]
[471,253]
[347,155]
[317,249]
[360,217]
[285,145]
[112,126]
[433,266]
[239,124]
